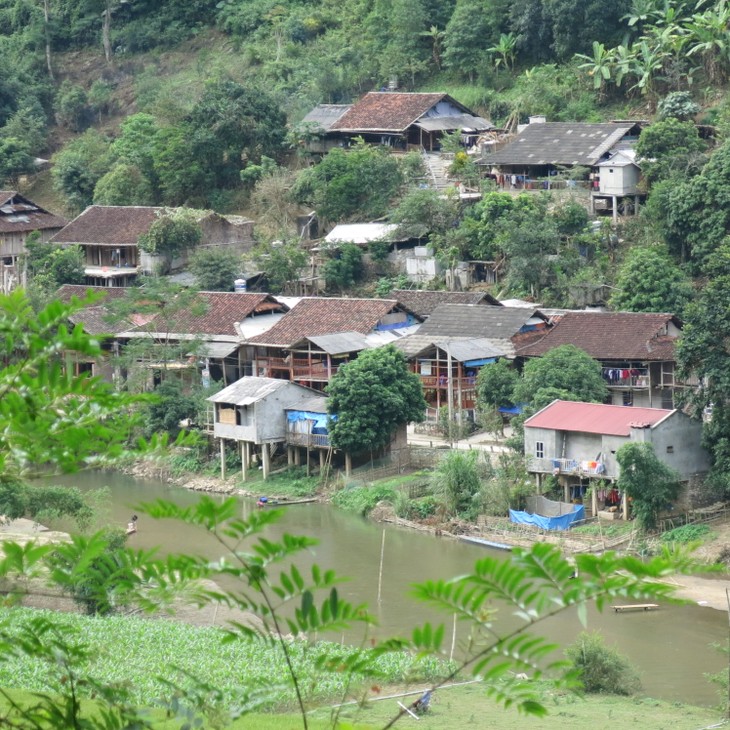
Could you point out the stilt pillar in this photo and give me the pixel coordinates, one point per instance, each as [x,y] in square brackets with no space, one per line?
[223,458]
[243,460]
[290,455]
[321,460]
[348,465]
[614,202]
[594,501]
[266,454]
[297,457]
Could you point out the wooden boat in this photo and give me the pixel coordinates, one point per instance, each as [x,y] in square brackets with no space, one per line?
[283,501]
[486,543]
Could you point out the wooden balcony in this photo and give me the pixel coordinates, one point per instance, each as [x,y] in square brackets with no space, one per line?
[308,440]
[633,378]
[442,381]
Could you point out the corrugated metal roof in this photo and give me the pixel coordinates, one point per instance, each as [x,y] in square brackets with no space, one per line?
[463,350]
[218,350]
[463,122]
[363,233]
[249,390]
[559,143]
[316,404]
[323,116]
[340,343]
[595,418]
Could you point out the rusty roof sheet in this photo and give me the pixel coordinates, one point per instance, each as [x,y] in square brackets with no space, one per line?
[610,336]
[595,418]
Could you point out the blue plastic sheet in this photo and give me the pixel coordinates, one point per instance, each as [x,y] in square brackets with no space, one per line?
[563,522]
[320,419]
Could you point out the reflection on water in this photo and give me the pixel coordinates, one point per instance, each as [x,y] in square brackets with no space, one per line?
[671,646]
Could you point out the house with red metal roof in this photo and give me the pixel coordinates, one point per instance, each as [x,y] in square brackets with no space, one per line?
[400,120]
[577,443]
[635,349]
[19,217]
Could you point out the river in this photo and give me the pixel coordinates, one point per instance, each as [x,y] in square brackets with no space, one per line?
[670,646]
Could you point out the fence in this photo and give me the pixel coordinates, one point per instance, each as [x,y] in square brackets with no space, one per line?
[397,462]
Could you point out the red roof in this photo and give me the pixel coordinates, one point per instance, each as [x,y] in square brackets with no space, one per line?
[223,311]
[386,111]
[611,336]
[314,316]
[598,418]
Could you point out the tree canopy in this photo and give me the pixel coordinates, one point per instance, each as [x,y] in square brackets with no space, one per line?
[566,368]
[371,396]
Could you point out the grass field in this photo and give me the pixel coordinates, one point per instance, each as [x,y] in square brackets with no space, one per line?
[466,707]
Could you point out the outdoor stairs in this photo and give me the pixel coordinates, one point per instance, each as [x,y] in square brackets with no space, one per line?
[437,170]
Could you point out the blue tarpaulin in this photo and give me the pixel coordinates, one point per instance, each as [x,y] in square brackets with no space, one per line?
[563,522]
[320,419]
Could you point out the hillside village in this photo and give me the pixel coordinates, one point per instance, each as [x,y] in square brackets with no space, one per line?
[246,342]
[459,266]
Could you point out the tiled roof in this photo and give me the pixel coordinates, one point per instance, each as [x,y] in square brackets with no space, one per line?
[475,321]
[386,111]
[595,418]
[314,316]
[423,303]
[223,311]
[109,224]
[20,215]
[610,336]
[559,143]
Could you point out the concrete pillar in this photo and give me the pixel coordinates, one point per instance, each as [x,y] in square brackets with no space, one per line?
[289,455]
[297,457]
[266,454]
[636,205]
[243,460]
[566,492]
[594,501]
[614,202]
[625,506]
[348,464]
[223,458]
[321,460]
[246,456]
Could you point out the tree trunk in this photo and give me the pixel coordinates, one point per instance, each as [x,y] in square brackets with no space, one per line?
[47,30]
[105,28]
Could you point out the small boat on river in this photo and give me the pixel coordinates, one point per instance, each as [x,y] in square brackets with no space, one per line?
[282,501]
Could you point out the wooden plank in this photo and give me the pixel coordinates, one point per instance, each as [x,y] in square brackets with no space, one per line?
[636,607]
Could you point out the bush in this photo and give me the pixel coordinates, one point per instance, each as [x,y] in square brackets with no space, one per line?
[362,500]
[602,668]
[686,533]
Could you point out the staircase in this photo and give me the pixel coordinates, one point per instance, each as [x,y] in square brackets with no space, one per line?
[437,170]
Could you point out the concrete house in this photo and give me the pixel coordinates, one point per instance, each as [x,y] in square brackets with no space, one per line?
[251,412]
[19,217]
[635,349]
[400,120]
[109,235]
[577,442]
[618,178]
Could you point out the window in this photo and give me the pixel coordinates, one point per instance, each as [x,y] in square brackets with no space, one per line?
[539,449]
[667,399]
[628,398]
[670,449]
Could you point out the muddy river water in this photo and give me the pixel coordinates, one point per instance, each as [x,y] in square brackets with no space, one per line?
[671,646]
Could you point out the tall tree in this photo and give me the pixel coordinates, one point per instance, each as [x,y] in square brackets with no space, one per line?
[371,396]
[649,281]
[566,368]
[404,53]
[467,36]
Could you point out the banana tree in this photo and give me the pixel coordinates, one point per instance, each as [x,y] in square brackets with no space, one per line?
[709,37]
[505,50]
[599,65]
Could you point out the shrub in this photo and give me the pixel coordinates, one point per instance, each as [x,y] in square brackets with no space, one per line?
[362,500]
[686,533]
[602,668]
